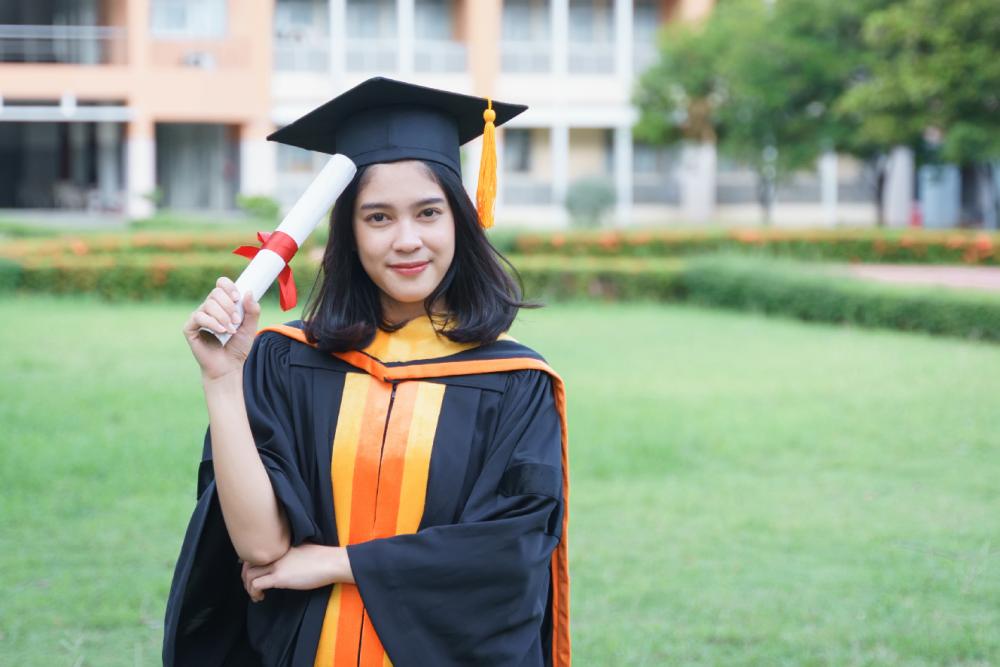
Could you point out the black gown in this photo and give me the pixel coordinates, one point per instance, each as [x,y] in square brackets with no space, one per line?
[442,467]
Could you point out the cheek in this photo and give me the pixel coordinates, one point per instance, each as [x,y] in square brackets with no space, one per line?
[442,239]
[369,246]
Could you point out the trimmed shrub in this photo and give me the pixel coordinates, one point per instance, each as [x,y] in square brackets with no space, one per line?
[10,275]
[845,245]
[799,290]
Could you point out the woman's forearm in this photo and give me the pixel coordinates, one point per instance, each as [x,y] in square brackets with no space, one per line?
[254,518]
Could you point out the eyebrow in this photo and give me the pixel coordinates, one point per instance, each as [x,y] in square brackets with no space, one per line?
[422,202]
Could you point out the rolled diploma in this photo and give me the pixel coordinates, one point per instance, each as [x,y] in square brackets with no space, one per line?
[300,222]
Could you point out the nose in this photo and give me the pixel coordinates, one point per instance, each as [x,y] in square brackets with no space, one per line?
[408,237]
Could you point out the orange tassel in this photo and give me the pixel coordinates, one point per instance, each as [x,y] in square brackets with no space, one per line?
[486,191]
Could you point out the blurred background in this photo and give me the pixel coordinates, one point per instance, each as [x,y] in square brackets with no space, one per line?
[766,232]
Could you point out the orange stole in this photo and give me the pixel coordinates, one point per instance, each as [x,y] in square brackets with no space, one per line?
[378,491]
[561,637]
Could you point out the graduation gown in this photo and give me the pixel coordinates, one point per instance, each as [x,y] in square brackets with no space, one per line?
[441,467]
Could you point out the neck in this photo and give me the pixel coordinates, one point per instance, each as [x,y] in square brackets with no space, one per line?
[396,312]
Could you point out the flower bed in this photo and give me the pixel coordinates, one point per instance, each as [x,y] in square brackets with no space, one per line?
[849,245]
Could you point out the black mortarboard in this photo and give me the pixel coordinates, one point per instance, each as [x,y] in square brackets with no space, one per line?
[384,120]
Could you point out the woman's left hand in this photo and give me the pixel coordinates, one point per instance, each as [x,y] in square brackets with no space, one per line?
[302,568]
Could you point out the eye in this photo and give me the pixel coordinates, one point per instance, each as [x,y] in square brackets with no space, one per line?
[430,212]
[376,217]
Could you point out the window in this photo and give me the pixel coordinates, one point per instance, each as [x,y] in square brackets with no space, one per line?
[183,19]
[525,20]
[590,21]
[433,19]
[371,18]
[517,150]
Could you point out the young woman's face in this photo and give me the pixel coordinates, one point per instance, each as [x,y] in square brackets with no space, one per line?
[405,234]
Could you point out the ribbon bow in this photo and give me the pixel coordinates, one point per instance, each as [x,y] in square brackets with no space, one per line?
[285,247]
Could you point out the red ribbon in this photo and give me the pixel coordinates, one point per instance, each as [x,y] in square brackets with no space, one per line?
[286,247]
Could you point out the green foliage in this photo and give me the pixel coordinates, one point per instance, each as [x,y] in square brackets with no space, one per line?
[155,196]
[142,276]
[800,291]
[914,246]
[778,83]
[606,279]
[935,71]
[609,265]
[588,200]
[259,206]
[679,96]
[10,274]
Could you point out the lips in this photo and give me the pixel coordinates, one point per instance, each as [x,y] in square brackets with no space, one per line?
[409,268]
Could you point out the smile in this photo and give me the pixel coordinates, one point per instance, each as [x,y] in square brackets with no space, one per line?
[409,269]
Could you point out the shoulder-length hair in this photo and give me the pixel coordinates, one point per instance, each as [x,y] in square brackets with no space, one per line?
[344,309]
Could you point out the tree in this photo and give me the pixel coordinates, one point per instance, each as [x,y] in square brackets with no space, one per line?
[679,96]
[935,81]
[764,80]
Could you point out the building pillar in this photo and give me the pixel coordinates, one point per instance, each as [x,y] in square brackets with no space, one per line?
[137,34]
[828,186]
[482,21]
[697,181]
[623,41]
[560,164]
[258,160]
[406,28]
[559,19]
[623,174]
[897,197]
[140,160]
[108,173]
[337,16]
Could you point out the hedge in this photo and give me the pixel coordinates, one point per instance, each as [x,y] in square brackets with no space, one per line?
[145,276]
[80,245]
[802,290]
[847,245]
[799,290]
[191,276]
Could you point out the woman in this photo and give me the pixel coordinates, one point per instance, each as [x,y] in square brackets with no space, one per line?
[385,481]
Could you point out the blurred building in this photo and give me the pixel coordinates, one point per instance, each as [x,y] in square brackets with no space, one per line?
[111,105]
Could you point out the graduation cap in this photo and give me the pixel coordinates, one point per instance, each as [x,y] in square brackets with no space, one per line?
[384,120]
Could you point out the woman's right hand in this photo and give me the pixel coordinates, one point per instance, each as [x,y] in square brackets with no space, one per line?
[218,313]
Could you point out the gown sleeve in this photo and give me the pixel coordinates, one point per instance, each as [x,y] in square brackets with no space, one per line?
[266,392]
[206,612]
[477,591]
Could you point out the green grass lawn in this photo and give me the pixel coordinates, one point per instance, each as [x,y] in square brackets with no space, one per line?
[744,491]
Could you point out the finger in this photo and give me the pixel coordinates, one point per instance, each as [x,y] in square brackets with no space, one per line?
[262,583]
[223,299]
[250,306]
[229,286]
[202,319]
[218,312]
[189,324]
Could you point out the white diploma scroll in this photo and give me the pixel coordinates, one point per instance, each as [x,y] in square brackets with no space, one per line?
[300,222]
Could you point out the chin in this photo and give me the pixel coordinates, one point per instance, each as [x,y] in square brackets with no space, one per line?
[409,296]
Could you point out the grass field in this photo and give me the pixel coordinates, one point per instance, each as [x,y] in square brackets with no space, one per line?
[744,491]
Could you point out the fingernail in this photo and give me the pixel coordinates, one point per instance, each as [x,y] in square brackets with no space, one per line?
[233,328]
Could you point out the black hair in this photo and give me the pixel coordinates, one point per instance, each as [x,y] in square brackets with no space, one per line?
[482,296]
